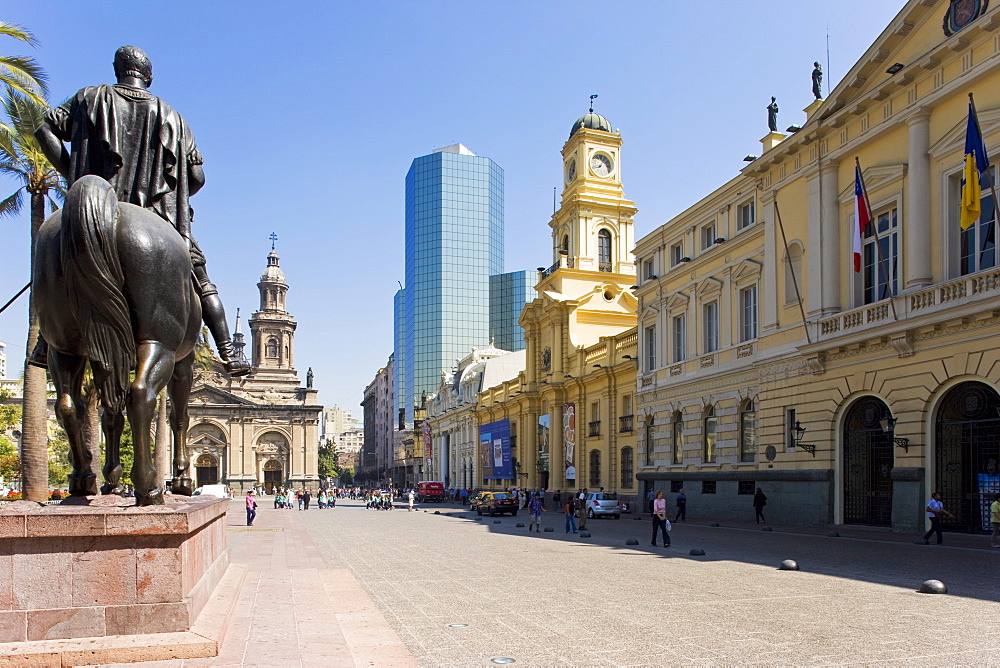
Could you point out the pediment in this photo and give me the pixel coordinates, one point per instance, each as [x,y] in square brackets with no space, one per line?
[649,313]
[747,269]
[953,141]
[678,300]
[209,394]
[206,441]
[709,286]
[874,178]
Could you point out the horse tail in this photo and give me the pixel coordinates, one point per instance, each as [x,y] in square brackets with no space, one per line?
[93,274]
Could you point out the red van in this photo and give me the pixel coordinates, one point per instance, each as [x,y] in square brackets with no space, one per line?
[430,491]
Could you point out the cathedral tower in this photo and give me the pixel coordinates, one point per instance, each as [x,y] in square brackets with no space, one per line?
[273,330]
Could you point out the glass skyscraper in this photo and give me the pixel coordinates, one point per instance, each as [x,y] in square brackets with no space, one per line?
[508,295]
[454,243]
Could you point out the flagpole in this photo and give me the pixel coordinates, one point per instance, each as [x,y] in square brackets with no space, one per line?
[993,186]
[791,266]
[878,247]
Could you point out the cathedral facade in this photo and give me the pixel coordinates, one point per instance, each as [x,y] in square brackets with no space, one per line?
[260,429]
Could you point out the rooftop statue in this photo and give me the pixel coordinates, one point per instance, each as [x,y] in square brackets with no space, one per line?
[772,115]
[817,79]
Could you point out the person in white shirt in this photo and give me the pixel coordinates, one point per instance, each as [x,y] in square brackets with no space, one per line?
[935,509]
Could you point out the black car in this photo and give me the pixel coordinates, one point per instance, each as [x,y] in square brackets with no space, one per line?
[494,503]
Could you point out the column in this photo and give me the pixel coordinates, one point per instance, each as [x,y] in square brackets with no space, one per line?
[916,225]
[831,257]
[769,296]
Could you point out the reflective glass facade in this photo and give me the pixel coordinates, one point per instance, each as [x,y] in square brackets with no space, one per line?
[454,243]
[399,348]
[508,295]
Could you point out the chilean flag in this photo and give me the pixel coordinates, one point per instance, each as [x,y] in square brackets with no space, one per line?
[862,216]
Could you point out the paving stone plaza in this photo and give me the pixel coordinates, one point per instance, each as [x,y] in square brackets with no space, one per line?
[352,586]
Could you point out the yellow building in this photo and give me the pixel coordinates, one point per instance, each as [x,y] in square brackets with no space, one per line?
[570,410]
[767,361]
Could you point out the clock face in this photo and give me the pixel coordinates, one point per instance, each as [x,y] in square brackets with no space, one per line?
[571,171]
[600,164]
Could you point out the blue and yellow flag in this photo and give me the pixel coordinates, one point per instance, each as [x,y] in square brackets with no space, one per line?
[976,171]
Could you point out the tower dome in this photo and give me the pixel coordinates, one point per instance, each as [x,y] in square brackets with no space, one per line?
[272,273]
[591,121]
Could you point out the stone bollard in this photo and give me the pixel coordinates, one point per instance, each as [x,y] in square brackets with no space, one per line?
[789,565]
[833,534]
[496,521]
[637,518]
[697,552]
[632,541]
[921,541]
[933,587]
[767,529]
[548,530]
[714,524]
[436,512]
[519,525]
[584,534]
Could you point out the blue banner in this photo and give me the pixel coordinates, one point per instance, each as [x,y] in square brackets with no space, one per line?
[494,451]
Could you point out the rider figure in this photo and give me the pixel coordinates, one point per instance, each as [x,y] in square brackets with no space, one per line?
[145,150]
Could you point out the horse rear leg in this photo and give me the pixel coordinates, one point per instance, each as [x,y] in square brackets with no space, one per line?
[179,390]
[154,366]
[67,375]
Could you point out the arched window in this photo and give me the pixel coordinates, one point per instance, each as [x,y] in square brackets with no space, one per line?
[565,244]
[650,431]
[628,468]
[678,440]
[793,264]
[748,432]
[271,349]
[604,250]
[595,468]
[708,434]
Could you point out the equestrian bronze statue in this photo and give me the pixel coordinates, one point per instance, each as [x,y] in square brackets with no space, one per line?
[119,280]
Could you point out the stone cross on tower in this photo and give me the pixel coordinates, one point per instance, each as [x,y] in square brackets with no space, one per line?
[273,238]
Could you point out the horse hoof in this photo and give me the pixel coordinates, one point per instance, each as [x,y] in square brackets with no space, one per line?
[153,498]
[82,485]
[181,486]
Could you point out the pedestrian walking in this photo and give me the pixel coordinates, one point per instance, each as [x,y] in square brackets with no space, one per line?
[582,505]
[535,508]
[995,520]
[409,501]
[569,509]
[935,509]
[557,500]
[251,508]
[649,501]
[759,501]
[306,498]
[660,521]
[682,507]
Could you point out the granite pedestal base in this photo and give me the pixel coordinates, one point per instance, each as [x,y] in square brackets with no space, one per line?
[107,570]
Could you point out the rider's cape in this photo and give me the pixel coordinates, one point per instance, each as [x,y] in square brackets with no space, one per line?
[134,140]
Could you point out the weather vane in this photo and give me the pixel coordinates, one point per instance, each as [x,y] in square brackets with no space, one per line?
[592,98]
[273,238]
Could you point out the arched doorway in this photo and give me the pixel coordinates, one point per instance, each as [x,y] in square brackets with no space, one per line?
[272,475]
[967,455]
[867,464]
[207,468]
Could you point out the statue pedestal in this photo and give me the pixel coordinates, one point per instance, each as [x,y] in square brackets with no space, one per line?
[813,108]
[110,583]
[771,140]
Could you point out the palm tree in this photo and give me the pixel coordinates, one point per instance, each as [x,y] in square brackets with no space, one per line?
[22,74]
[21,157]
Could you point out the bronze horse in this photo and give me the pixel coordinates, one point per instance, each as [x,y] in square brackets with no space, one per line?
[112,286]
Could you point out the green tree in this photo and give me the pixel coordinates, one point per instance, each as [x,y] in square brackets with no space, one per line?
[327,465]
[58,455]
[21,74]
[21,157]
[10,417]
[204,356]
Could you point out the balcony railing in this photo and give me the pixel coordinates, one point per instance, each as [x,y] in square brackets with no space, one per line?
[561,262]
[624,424]
[966,290]
[603,266]
[595,428]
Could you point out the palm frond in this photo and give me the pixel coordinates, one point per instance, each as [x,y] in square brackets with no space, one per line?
[11,206]
[18,32]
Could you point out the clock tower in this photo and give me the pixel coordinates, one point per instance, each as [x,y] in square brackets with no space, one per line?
[592,230]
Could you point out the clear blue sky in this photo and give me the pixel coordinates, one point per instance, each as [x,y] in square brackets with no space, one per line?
[309,113]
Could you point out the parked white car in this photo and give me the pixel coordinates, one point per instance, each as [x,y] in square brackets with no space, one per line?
[220,491]
[602,504]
